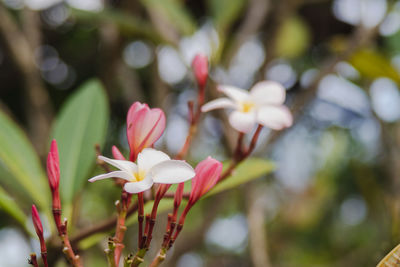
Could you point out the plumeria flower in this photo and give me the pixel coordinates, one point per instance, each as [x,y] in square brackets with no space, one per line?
[152,166]
[144,126]
[263,104]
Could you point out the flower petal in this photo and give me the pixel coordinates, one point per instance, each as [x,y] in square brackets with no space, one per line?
[117,174]
[172,172]
[237,94]
[242,121]
[268,92]
[138,187]
[123,165]
[150,157]
[144,127]
[218,103]
[275,117]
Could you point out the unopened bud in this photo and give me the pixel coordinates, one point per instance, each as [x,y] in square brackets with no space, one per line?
[200,69]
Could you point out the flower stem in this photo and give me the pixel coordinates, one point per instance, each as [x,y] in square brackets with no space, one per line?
[122,208]
[159,258]
[67,249]
[33,261]
[138,259]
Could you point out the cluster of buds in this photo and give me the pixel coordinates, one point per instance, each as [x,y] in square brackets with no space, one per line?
[53,175]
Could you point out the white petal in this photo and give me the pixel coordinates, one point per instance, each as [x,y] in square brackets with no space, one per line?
[172,172]
[268,92]
[237,94]
[275,117]
[123,165]
[138,187]
[242,121]
[116,174]
[218,103]
[150,157]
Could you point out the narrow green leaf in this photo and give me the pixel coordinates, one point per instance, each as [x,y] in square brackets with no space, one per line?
[225,12]
[373,64]
[81,124]
[21,169]
[8,204]
[127,23]
[247,171]
[175,12]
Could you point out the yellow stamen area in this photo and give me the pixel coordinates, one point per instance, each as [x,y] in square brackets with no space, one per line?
[246,106]
[139,176]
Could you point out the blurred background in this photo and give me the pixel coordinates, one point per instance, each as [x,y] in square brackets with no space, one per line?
[334,197]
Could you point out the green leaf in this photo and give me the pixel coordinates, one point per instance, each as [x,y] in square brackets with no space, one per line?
[373,64]
[8,204]
[175,12]
[293,28]
[81,124]
[20,165]
[127,23]
[247,171]
[225,12]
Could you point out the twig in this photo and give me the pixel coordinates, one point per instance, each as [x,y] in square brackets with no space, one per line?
[39,111]
[257,230]
[103,226]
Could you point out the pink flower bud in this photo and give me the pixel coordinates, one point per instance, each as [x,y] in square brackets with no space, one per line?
[37,222]
[200,69]
[53,166]
[208,172]
[144,127]
[117,154]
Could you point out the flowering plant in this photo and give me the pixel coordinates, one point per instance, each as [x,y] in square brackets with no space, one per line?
[146,174]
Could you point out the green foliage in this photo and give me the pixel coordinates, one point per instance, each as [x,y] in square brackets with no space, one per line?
[225,12]
[293,38]
[175,12]
[372,64]
[8,204]
[247,171]
[81,124]
[21,165]
[128,24]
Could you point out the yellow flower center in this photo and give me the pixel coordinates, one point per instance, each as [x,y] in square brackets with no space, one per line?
[139,176]
[246,106]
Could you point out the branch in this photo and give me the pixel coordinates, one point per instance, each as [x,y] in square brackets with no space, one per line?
[21,49]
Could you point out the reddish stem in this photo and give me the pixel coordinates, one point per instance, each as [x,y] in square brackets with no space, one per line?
[140,218]
[122,208]
[33,261]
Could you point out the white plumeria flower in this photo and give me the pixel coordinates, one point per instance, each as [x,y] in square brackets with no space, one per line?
[152,166]
[263,104]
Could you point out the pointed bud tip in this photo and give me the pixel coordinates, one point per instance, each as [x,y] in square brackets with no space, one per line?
[37,223]
[200,69]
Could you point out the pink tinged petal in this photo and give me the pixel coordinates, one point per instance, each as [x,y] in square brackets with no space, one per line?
[268,92]
[116,174]
[117,154]
[236,94]
[123,165]
[144,127]
[218,103]
[150,157]
[208,172]
[172,172]
[275,117]
[242,121]
[53,166]
[137,187]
